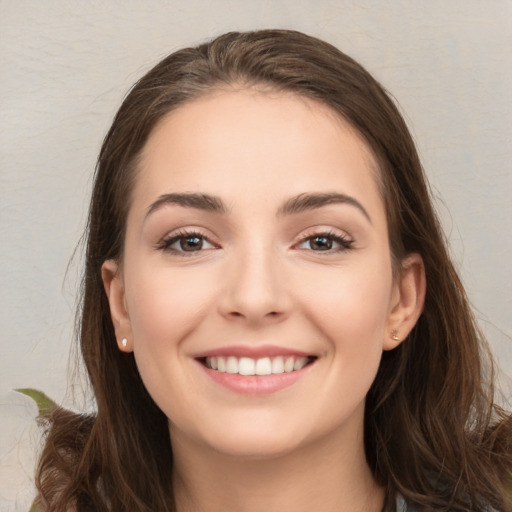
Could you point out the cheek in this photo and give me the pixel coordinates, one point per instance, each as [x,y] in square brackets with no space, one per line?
[166,305]
[164,308]
[351,308]
[356,298]
[352,315]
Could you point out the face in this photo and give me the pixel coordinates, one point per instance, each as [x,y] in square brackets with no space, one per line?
[256,288]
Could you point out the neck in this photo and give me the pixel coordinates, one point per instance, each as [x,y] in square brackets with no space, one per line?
[325,475]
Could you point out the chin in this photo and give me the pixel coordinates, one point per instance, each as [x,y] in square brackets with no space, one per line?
[255,440]
[255,447]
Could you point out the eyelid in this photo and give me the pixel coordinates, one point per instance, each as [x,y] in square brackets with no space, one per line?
[165,243]
[344,240]
[341,238]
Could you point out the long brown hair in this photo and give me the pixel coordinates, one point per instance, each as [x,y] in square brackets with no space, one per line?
[432,431]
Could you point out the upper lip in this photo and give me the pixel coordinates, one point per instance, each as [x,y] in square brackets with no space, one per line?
[252,351]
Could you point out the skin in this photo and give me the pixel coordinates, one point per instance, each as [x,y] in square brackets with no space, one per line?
[260,278]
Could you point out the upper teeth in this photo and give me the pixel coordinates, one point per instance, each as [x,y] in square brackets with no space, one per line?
[262,366]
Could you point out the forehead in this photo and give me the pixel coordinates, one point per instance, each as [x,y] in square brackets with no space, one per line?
[256,109]
[248,142]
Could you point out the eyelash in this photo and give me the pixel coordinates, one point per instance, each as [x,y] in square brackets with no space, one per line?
[344,242]
[166,244]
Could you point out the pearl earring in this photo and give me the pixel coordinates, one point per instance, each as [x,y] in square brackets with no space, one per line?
[394,335]
[124,342]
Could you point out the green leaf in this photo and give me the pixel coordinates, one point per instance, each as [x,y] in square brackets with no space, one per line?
[45,404]
[36,505]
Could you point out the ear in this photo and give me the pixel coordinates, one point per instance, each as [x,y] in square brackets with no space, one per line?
[407,301]
[114,288]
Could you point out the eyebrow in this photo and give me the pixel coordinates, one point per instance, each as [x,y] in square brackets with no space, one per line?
[204,202]
[304,202]
[294,205]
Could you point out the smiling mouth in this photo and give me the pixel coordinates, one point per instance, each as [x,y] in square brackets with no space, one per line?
[256,367]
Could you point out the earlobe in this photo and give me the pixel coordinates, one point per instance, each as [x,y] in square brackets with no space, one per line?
[408,299]
[114,288]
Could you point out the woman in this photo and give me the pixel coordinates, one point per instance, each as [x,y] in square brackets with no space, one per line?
[270,319]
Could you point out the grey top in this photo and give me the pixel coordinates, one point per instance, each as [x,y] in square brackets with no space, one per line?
[401,505]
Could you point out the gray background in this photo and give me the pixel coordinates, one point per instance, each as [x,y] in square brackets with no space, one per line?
[66,65]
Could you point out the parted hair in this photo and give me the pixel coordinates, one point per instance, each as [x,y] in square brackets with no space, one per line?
[433,433]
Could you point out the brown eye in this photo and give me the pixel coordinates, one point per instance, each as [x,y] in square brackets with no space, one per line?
[191,243]
[321,243]
[185,242]
[326,242]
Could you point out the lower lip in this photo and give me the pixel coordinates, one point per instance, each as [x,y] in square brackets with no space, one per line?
[256,384]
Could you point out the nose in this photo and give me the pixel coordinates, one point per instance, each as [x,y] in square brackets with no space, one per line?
[255,290]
